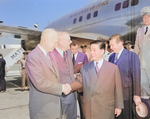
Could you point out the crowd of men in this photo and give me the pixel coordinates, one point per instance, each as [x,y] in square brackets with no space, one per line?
[60,75]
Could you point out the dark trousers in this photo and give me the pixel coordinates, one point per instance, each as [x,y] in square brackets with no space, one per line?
[2,85]
[80,105]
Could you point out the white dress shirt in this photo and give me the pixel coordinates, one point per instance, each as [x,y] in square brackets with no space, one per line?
[60,51]
[100,62]
[120,52]
[45,53]
[75,56]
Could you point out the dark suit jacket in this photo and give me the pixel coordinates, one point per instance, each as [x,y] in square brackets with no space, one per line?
[45,87]
[2,68]
[129,67]
[102,92]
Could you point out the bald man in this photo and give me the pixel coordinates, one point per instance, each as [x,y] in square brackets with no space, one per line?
[45,87]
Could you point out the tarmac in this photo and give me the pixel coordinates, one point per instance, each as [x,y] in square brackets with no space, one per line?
[14,102]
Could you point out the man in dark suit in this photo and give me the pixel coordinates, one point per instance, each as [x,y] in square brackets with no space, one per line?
[2,74]
[129,67]
[102,89]
[66,74]
[78,58]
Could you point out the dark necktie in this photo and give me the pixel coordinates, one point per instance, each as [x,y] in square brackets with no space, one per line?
[73,59]
[65,55]
[146,30]
[97,68]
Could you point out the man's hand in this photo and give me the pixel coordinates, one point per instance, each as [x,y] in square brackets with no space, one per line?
[117,111]
[79,77]
[66,88]
[137,100]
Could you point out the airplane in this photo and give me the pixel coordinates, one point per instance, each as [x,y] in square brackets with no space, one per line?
[102,19]
[98,20]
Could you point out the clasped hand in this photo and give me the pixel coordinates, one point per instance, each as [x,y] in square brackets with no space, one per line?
[66,88]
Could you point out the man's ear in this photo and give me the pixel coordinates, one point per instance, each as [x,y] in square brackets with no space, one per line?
[46,41]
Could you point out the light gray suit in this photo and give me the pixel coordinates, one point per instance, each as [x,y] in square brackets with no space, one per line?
[45,89]
[102,92]
[142,49]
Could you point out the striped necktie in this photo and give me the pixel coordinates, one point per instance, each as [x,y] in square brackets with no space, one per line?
[97,68]
[65,55]
[116,57]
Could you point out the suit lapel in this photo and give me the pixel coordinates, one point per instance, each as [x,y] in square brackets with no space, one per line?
[93,75]
[112,58]
[122,56]
[60,59]
[101,75]
[70,64]
[45,59]
[53,59]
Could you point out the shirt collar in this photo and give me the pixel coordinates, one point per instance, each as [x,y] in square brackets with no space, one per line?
[60,51]
[100,62]
[120,52]
[45,53]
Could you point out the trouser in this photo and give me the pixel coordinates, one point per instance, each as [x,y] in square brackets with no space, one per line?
[24,78]
[2,85]
[69,106]
[145,82]
[80,100]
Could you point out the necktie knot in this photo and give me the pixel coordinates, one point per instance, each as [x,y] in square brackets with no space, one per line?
[146,30]
[97,68]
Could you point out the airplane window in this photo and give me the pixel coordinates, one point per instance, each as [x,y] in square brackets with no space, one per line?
[89,16]
[74,21]
[134,2]
[17,36]
[118,6]
[95,14]
[125,4]
[80,18]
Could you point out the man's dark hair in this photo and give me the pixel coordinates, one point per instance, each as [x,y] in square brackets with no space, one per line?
[83,46]
[100,43]
[1,55]
[74,43]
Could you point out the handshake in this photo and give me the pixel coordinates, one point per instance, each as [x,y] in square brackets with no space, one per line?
[66,88]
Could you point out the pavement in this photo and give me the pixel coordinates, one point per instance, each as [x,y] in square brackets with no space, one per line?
[14,102]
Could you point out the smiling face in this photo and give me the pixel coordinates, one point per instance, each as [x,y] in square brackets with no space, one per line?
[96,52]
[146,20]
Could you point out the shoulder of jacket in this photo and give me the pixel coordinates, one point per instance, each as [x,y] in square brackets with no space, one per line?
[140,28]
